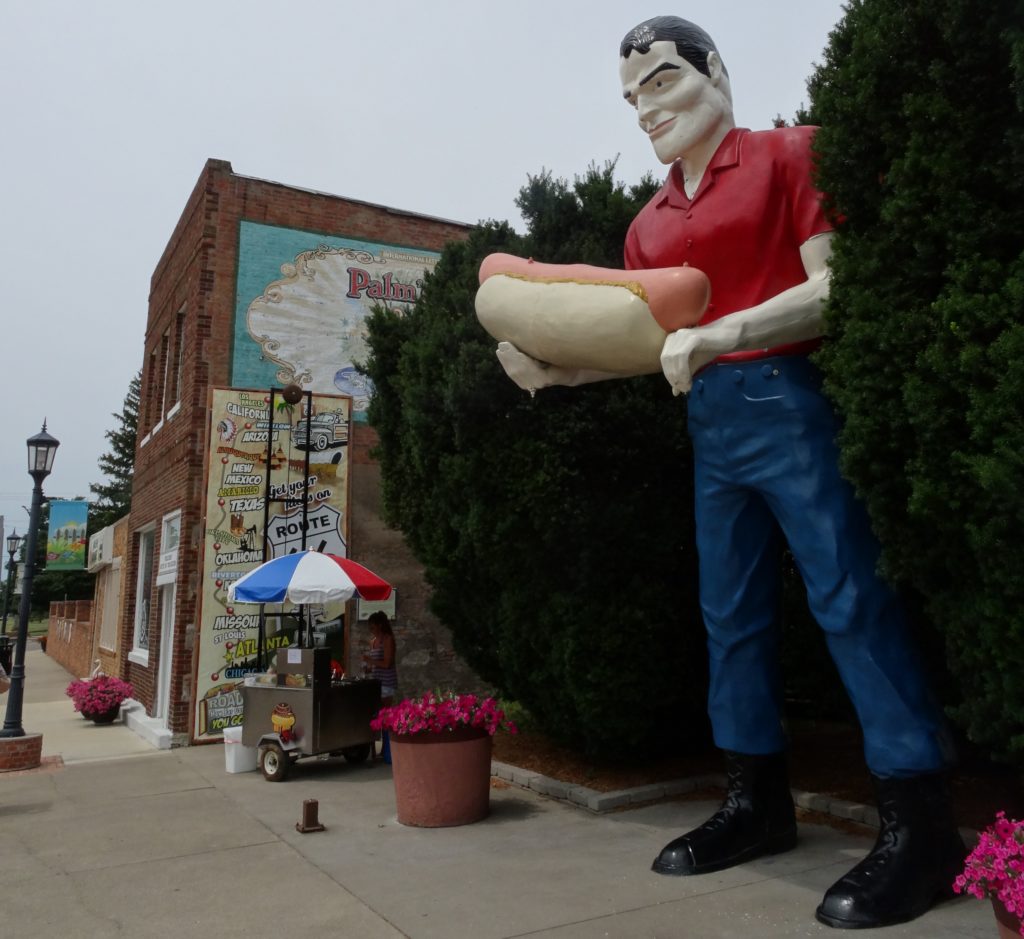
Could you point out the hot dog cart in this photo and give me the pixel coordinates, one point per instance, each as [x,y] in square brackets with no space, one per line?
[298,711]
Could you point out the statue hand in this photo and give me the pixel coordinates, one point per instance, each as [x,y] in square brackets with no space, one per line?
[526,372]
[687,351]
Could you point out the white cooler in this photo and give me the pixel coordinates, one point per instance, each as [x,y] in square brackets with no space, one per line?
[238,759]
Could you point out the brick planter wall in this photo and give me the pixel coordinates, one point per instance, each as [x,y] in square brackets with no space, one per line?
[71,636]
[17,753]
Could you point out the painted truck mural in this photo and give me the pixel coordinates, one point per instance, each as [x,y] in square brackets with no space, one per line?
[238,463]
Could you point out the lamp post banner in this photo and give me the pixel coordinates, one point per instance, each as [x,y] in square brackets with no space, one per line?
[66,542]
[247,443]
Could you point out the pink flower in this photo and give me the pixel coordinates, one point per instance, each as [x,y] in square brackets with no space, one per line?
[995,868]
[100,694]
[435,712]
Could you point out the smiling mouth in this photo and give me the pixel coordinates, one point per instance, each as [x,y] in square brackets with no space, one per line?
[659,129]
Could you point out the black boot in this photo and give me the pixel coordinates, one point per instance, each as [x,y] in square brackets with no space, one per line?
[917,855]
[756,818]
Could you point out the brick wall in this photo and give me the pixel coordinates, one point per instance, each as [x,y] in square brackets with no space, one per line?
[71,636]
[423,646]
[192,297]
[21,753]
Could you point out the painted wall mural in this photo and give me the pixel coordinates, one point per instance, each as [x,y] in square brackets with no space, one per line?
[237,469]
[302,299]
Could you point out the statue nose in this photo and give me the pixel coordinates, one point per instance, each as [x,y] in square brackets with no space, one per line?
[646,113]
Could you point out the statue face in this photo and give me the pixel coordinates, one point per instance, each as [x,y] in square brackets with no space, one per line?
[678,107]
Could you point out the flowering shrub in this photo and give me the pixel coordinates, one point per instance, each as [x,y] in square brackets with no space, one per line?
[435,713]
[995,868]
[100,694]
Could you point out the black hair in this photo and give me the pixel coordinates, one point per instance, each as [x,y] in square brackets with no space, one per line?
[692,43]
[380,618]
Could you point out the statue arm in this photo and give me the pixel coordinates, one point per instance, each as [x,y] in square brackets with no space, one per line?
[791,316]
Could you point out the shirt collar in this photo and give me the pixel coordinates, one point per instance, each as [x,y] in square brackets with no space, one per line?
[727,155]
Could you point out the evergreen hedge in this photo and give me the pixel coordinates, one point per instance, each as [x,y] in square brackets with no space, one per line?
[921,104]
[556,531]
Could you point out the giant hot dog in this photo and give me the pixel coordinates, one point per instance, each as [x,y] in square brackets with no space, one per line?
[578,316]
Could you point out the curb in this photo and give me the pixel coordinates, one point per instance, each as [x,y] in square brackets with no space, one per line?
[594,800]
[601,802]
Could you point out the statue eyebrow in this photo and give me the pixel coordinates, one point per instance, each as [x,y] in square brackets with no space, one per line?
[643,81]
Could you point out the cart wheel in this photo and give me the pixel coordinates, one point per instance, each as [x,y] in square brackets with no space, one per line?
[356,754]
[273,763]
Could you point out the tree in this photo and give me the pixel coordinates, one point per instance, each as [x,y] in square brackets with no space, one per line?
[556,531]
[921,104]
[114,496]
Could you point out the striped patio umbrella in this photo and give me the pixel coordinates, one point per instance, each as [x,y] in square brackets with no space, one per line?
[308,577]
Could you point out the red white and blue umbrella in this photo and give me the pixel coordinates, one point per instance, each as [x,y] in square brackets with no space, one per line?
[308,577]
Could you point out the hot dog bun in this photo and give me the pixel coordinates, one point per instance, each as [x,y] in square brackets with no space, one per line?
[579,316]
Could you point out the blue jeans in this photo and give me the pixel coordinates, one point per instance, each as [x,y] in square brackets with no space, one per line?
[765,463]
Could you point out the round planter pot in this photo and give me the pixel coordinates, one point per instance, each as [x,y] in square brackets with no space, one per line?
[104,717]
[442,779]
[1008,923]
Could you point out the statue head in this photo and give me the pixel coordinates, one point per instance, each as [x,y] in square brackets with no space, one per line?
[672,74]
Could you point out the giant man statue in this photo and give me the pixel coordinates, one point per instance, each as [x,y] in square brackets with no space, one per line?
[741,207]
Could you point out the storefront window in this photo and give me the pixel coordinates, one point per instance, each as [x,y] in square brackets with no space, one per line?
[144,589]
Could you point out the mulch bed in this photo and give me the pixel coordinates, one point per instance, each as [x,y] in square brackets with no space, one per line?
[824,758]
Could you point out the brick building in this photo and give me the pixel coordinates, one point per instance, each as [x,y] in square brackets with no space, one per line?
[106,554]
[260,285]
[83,635]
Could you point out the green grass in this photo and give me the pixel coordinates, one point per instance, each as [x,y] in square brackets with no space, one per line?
[37,626]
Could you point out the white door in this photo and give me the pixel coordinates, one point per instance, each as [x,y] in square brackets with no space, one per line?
[163,678]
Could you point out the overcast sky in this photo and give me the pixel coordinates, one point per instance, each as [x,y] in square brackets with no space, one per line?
[111,108]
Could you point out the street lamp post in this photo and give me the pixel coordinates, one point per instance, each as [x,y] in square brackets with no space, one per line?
[41,450]
[13,541]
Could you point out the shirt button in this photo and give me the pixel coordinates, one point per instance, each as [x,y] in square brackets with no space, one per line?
[737,377]
[689,242]
[698,386]
[767,371]
[711,308]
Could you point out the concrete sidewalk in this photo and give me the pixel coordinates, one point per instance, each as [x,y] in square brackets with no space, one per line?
[120,839]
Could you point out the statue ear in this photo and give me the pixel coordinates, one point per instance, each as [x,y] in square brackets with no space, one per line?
[714,67]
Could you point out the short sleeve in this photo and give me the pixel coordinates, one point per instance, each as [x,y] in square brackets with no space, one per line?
[807,214]
[631,251]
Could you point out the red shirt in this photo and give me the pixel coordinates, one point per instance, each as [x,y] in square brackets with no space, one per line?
[755,206]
